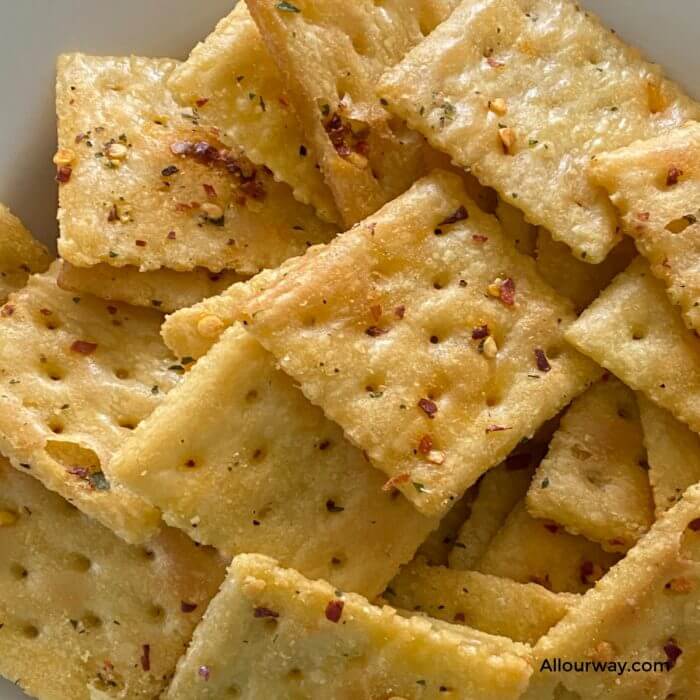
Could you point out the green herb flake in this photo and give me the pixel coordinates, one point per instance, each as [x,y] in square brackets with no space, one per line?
[285,6]
[418,487]
[99,482]
[545,483]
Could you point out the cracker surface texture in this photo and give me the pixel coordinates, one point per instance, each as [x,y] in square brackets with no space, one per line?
[20,254]
[270,633]
[594,479]
[646,609]
[331,54]
[427,337]
[656,186]
[633,330]
[524,94]
[82,611]
[78,374]
[238,458]
[149,185]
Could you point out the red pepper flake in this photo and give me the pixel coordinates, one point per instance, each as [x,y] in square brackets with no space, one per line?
[202,101]
[203,672]
[496,428]
[83,347]
[478,238]
[80,472]
[7,310]
[395,481]
[673,651]
[459,617]
[375,311]
[480,332]
[63,173]
[265,612]
[643,216]
[171,235]
[375,331]
[494,63]
[111,310]
[45,312]
[187,607]
[209,189]
[673,176]
[460,215]
[425,445]
[694,525]
[508,291]
[334,610]
[146,657]
[400,311]
[429,407]
[283,101]
[113,214]
[140,243]
[542,361]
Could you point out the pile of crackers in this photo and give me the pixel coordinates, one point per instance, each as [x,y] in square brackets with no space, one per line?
[369,367]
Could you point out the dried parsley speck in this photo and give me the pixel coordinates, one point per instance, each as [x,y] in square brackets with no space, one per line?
[285,6]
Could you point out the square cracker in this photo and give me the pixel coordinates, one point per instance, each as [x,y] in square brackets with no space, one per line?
[673,453]
[271,633]
[175,197]
[80,610]
[77,374]
[525,92]
[386,330]
[656,186]
[539,551]
[232,81]
[574,279]
[646,609]
[521,611]
[498,492]
[594,479]
[163,289]
[20,254]
[331,54]
[633,330]
[260,469]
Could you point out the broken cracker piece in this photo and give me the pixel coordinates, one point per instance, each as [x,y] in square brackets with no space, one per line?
[521,611]
[594,479]
[266,472]
[633,330]
[175,196]
[543,58]
[78,374]
[83,612]
[656,186]
[271,633]
[384,329]
[165,290]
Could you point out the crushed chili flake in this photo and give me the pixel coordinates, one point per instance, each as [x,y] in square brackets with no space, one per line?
[171,235]
[204,672]
[202,101]
[140,243]
[375,312]
[425,444]
[672,651]
[459,617]
[375,331]
[400,311]
[496,428]
[7,310]
[80,472]
[643,216]
[542,361]
[146,657]
[113,214]
[210,190]
[673,176]
[265,612]
[480,332]
[478,238]
[334,610]
[63,173]
[507,291]
[187,607]
[83,347]
[460,215]
[429,407]
[395,480]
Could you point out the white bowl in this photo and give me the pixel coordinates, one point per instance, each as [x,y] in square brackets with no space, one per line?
[34,32]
